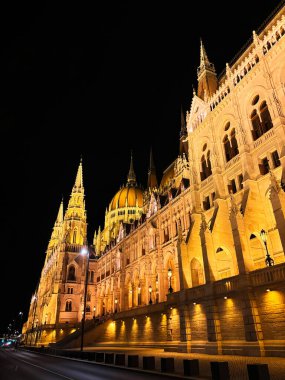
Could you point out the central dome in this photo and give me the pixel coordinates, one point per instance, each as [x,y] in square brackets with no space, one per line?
[128,196]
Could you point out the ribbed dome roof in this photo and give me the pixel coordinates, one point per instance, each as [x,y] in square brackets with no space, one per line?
[127,197]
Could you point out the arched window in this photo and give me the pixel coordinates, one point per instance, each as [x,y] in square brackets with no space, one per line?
[196,272]
[209,166]
[227,148]
[71,274]
[256,125]
[88,298]
[265,117]
[204,168]
[68,306]
[74,236]
[87,309]
[234,144]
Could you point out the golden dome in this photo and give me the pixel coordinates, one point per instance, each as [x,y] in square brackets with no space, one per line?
[127,197]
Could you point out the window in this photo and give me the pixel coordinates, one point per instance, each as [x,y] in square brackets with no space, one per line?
[88,309]
[204,168]
[275,159]
[234,144]
[265,117]
[264,166]
[240,181]
[70,290]
[233,186]
[91,276]
[71,274]
[262,122]
[68,306]
[227,148]
[206,203]
[256,125]
[88,298]
[166,234]
[74,236]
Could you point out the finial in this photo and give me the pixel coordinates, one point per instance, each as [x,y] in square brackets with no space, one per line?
[131,180]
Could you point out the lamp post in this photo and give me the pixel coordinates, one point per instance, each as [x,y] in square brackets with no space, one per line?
[20,322]
[84,252]
[170,289]
[268,260]
[116,303]
[150,290]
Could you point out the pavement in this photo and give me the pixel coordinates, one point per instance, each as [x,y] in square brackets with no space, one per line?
[237,364]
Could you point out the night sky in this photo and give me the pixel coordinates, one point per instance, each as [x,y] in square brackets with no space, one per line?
[95,81]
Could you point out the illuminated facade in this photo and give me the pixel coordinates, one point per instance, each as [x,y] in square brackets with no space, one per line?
[189,253]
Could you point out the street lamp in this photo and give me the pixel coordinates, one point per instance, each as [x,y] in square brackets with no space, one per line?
[20,323]
[268,260]
[169,276]
[150,290]
[94,311]
[84,252]
[116,303]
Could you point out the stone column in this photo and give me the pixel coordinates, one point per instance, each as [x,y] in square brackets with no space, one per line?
[252,324]
[214,345]
[185,325]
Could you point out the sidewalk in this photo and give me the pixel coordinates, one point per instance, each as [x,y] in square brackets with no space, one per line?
[237,364]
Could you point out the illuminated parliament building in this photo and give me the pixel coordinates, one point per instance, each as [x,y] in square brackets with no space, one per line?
[196,262]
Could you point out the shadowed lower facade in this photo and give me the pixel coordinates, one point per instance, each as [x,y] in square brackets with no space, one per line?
[196,262]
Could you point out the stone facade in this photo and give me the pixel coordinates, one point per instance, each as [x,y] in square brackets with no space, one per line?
[190,273]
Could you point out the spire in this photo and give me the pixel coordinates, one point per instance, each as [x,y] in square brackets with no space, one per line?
[79,176]
[59,218]
[131,181]
[207,78]
[204,60]
[183,143]
[152,180]
[75,223]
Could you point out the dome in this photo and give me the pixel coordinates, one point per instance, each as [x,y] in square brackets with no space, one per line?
[127,197]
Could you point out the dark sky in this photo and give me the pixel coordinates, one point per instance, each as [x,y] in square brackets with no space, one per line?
[97,81]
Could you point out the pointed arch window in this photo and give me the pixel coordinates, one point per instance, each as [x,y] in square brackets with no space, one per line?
[88,309]
[196,272]
[265,117]
[234,144]
[260,119]
[209,166]
[227,148]
[256,125]
[204,168]
[74,236]
[68,306]
[71,274]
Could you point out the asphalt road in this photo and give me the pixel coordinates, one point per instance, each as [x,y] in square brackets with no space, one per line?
[24,365]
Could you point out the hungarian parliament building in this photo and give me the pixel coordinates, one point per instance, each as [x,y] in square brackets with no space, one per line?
[196,262]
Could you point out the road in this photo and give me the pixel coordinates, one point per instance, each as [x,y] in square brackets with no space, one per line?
[24,365]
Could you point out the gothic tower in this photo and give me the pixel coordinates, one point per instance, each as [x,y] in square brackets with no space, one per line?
[207,78]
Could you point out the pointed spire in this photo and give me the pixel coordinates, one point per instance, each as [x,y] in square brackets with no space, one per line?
[79,176]
[152,180]
[131,181]
[204,60]
[59,218]
[207,78]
